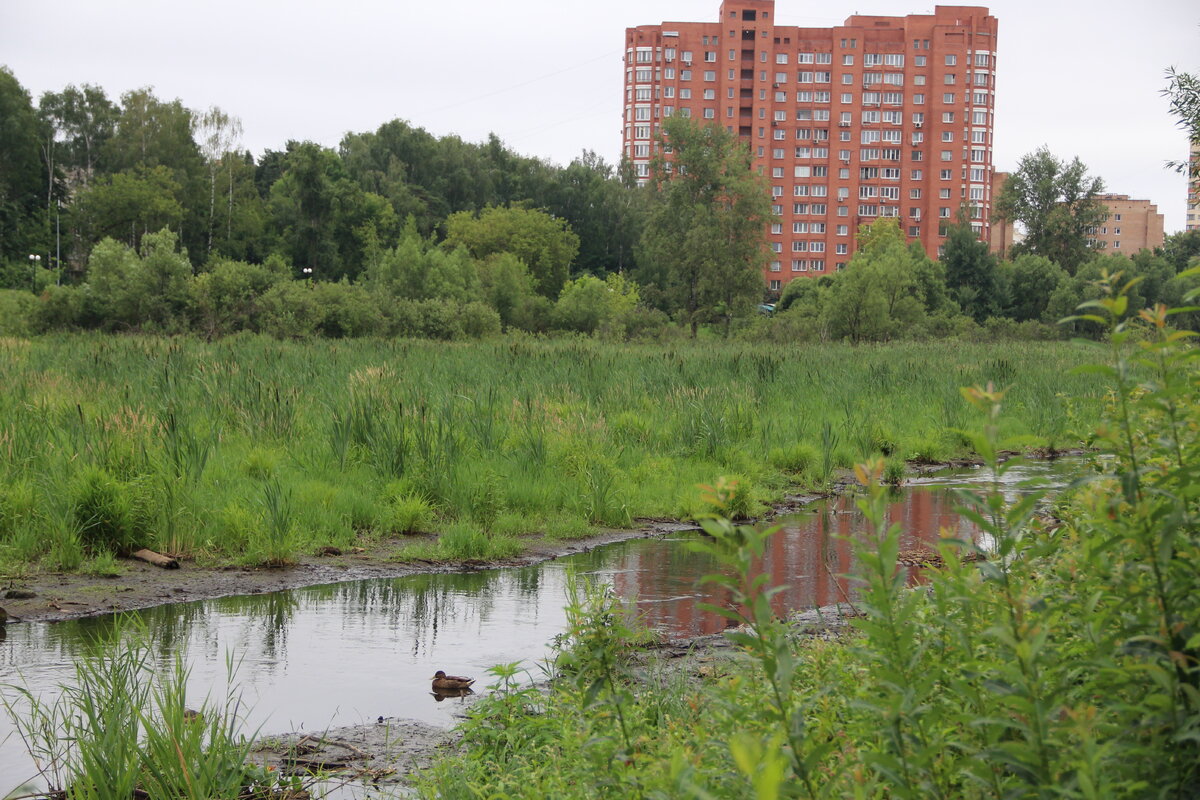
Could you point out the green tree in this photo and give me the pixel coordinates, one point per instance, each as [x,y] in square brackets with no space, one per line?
[1056,203]
[705,231]
[23,174]
[417,270]
[219,135]
[85,119]
[128,205]
[881,294]
[602,209]
[506,285]
[1029,280]
[322,220]
[545,244]
[1181,249]
[970,272]
[154,133]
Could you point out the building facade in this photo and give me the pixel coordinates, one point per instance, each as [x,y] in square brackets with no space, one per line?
[879,117]
[1192,222]
[1132,225]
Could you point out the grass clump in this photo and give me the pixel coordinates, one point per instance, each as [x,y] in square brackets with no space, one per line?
[121,728]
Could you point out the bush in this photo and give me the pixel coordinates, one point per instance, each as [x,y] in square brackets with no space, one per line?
[18,312]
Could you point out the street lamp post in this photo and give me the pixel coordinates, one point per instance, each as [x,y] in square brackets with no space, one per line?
[34,261]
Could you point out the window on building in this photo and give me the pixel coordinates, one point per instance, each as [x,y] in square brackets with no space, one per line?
[948,98]
[951,60]
[949,78]
[948,116]
[946,175]
[710,75]
[710,55]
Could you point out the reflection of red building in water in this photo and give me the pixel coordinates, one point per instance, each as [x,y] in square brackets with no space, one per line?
[811,555]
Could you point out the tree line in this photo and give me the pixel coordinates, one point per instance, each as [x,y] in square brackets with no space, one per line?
[142,214]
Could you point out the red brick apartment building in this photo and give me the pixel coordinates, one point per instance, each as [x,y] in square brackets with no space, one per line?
[880,117]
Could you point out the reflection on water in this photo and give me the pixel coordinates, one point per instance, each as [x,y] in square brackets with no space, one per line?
[348,653]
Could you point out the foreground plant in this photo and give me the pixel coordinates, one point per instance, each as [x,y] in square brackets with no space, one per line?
[121,730]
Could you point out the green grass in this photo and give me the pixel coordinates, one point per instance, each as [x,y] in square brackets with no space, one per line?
[254,450]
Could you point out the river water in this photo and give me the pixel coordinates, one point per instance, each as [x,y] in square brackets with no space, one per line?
[348,653]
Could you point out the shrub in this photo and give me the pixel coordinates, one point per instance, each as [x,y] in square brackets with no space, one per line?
[18,312]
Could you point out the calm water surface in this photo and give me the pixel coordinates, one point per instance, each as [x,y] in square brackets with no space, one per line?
[347,653]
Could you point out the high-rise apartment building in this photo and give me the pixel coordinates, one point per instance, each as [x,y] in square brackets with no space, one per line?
[880,117]
[1193,207]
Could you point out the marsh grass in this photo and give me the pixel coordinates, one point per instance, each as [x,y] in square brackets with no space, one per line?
[122,728]
[169,443]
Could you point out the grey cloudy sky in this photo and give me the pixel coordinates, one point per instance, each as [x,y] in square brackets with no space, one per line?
[545,75]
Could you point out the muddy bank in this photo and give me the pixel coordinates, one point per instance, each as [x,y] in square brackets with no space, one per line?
[50,597]
[383,753]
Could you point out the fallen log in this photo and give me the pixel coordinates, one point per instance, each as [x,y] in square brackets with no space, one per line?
[157,559]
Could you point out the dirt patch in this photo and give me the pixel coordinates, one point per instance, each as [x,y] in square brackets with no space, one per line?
[50,597]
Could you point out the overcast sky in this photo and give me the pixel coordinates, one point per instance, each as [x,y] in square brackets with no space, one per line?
[545,75]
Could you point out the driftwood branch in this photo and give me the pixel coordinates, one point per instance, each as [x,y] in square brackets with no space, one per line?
[157,559]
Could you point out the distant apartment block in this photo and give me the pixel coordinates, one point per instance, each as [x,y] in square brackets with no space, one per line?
[1003,234]
[1193,201]
[879,117]
[1132,225]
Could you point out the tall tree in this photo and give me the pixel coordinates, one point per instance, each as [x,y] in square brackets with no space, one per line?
[970,272]
[219,134]
[706,225]
[323,219]
[84,119]
[128,205]
[1030,280]
[23,174]
[886,288]
[156,133]
[1056,203]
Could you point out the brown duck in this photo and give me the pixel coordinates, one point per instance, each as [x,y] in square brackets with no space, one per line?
[443,682]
